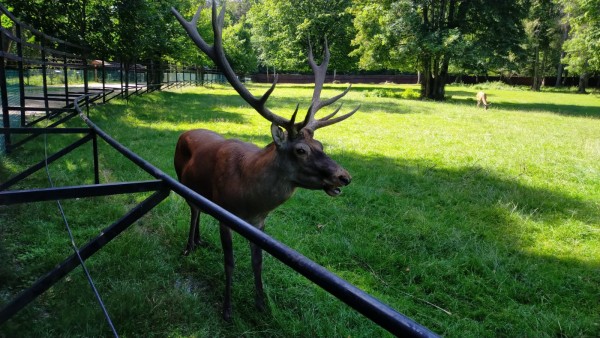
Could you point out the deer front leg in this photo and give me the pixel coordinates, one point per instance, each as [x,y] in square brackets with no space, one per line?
[257,268]
[226,243]
[257,258]
[194,235]
[256,254]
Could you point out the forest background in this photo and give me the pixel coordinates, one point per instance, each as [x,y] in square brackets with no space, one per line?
[439,40]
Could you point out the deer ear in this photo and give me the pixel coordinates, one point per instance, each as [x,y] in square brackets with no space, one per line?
[278,135]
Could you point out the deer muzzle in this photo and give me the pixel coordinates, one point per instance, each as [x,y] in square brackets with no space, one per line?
[342,178]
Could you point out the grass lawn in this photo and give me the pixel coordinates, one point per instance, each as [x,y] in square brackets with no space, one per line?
[474,223]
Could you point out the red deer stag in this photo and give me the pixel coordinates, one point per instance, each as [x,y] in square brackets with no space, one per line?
[482,99]
[248,181]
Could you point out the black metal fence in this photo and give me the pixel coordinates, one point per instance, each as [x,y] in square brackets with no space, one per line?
[40,76]
[52,61]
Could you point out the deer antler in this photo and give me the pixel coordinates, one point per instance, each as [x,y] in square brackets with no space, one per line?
[217,54]
[320,71]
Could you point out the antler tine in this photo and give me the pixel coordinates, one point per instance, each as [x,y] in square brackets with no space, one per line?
[320,71]
[293,119]
[217,54]
[190,28]
[324,122]
[332,114]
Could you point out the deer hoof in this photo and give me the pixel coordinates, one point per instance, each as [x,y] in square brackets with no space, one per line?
[188,250]
[260,305]
[227,315]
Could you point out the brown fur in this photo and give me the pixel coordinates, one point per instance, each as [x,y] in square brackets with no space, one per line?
[482,99]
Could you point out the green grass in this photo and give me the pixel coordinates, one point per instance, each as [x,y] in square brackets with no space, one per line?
[474,223]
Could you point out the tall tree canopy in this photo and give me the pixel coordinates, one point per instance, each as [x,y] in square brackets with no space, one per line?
[435,38]
[136,30]
[429,35]
[543,33]
[281,31]
[583,48]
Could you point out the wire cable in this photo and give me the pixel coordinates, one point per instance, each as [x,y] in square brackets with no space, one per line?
[74,246]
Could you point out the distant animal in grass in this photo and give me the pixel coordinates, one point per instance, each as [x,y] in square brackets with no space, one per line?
[482,99]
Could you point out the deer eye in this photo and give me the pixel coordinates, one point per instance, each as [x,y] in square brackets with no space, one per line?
[301,149]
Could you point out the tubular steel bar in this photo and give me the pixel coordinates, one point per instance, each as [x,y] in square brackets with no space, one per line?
[106,235]
[51,194]
[25,173]
[370,307]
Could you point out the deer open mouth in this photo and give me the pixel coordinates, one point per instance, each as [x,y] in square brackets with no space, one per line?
[332,190]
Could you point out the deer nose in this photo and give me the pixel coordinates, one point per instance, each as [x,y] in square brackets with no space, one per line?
[345,179]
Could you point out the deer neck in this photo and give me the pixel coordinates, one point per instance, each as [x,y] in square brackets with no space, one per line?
[271,177]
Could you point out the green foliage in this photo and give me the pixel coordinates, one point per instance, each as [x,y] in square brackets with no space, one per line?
[463,37]
[429,36]
[281,31]
[494,85]
[472,223]
[237,43]
[383,93]
[583,47]
[408,93]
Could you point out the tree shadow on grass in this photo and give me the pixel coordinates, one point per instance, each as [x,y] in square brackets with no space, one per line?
[467,240]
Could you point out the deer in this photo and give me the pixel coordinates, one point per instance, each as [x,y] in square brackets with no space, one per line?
[482,99]
[245,179]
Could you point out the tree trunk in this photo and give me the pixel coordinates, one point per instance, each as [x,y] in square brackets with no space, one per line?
[541,71]
[583,81]
[433,79]
[7,43]
[426,78]
[559,71]
[443,78]
[155,74]
[536,64]
[561,67]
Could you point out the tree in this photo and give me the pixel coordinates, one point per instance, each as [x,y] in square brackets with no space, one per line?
[564,35]
[281,31]
[429,35]
[583,47]
[542,29]
[64,20]
[237,43]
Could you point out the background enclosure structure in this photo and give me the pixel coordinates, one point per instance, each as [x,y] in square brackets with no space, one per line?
[40,76]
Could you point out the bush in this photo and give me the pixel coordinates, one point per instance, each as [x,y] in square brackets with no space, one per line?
[409,93]
[494,85]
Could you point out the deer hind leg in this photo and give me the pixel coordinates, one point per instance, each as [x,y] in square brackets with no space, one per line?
[194,235]
[226,243]
[257,259]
